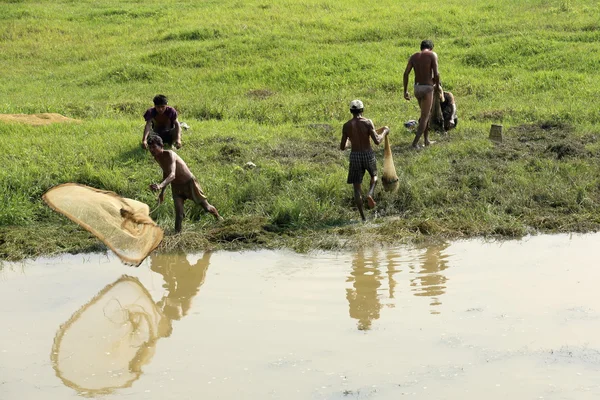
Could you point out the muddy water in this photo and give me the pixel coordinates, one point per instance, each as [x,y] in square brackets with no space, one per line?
[463,320]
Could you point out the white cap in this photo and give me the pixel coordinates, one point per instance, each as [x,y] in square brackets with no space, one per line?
[356,105]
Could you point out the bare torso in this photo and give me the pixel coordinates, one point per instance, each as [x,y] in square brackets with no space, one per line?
[182,172]
[425,65]
[359,130]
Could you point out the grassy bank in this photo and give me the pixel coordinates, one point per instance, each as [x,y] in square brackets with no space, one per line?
[270,83]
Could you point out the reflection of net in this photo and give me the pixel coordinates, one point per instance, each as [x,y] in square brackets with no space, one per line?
[122,224]
[105,343]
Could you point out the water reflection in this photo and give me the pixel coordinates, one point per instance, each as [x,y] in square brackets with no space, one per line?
[363,298]
[105,344]
[369,271]
[182,281]
[430,281]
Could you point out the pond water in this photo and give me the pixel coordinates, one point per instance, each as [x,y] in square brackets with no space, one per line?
[461,320]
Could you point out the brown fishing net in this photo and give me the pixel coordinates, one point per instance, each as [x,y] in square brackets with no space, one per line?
[105,344]
[389,169]
[124,225]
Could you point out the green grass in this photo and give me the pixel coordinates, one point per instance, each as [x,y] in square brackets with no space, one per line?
[270,82]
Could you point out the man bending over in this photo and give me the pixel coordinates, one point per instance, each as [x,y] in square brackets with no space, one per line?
[184,185]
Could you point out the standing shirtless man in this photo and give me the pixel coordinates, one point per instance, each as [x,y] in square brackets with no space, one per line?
[184,185]
[360,131]
[425,64]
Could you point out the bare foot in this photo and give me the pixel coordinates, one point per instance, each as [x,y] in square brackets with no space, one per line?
[371,202]
[429,143]
[416,147]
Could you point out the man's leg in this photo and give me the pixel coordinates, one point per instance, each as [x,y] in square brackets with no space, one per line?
[425,104]
[370,202]
[358,199]
[178,201]
[210,209]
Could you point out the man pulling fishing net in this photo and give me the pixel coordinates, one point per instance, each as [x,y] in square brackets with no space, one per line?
[360,130]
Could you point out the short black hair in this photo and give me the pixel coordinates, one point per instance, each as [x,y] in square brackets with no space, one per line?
[155,139]
[160,100]
[356,111]
[427,44]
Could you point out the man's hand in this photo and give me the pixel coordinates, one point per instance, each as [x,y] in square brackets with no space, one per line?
[406,95]
[155,187]
[144,144]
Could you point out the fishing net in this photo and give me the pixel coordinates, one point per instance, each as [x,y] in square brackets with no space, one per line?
[389,169]
[124,225]
[104,344]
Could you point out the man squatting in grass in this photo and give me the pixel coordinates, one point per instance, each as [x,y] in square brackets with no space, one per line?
[184,185]
[162,120]
[449,111]
[362,158]
[425,64]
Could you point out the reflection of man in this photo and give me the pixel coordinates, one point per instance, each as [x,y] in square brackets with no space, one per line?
[182,281]
[429,281]
[363,299]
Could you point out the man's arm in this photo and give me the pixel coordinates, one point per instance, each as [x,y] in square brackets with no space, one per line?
[168,172]
[377,138]
[177,127]
[434,69]
[344,138]
[409,67]
[147,130]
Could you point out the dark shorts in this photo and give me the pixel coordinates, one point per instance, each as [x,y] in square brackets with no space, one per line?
[190,190]
[167,136]
[361,161]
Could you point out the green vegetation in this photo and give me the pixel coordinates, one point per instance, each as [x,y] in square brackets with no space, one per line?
[270,82]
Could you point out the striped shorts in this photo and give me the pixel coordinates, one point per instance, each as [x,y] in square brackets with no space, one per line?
[361,161]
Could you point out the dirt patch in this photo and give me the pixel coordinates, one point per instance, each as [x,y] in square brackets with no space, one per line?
[36,119]
[260,93]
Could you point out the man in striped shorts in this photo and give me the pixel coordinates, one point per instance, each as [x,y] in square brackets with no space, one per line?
[359,131]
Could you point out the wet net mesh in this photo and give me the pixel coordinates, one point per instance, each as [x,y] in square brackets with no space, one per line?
[124,225]
[389,169]
[105,344]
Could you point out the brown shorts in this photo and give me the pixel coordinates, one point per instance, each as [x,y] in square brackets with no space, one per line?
[190,190]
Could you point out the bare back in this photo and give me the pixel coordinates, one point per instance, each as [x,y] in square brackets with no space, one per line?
[425,64]
[182,172]
[359,130]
